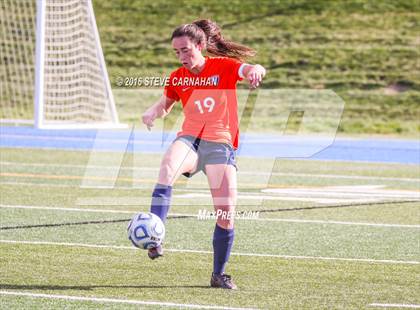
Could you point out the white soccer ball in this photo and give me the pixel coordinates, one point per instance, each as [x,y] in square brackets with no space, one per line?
[146,230]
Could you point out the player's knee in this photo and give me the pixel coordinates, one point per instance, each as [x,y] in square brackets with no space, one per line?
[167,174]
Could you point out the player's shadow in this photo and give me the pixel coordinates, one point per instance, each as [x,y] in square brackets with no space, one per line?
[91,287]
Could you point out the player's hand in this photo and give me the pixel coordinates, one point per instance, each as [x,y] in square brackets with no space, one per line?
[255,76]
[148,118]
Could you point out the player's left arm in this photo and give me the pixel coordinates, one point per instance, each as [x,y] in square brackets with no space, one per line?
[253,73]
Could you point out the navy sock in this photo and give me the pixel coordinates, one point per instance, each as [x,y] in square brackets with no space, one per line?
[161,200]
[222,244]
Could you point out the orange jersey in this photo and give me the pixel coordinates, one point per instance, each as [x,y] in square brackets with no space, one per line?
[209,100]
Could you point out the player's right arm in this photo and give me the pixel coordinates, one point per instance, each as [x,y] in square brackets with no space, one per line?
[161,108]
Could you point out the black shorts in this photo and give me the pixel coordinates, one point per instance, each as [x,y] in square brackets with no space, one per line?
[209,153]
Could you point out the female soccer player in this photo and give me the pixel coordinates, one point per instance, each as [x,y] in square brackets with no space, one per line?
[207,142]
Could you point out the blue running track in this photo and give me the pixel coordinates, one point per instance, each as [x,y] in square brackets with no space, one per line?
[255,145]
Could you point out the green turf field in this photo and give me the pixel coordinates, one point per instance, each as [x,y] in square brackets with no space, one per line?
[364,50]
[329,235]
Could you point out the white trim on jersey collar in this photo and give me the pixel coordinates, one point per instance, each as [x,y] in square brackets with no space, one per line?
[241,71]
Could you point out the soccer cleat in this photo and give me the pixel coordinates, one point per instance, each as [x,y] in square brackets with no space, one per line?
[155,252]
[222,281]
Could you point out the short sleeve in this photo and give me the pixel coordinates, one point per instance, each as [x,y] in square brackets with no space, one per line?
[234,65]
[169,90]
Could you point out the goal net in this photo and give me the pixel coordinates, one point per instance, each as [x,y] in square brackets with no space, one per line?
[52,69]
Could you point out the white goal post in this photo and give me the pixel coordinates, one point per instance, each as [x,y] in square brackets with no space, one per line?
[56,61]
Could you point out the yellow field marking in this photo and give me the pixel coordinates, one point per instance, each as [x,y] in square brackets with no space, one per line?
[63,177]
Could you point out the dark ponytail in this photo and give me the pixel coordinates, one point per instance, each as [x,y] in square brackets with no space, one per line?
[208,32]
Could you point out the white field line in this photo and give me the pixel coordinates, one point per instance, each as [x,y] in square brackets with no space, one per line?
[85,210]
[306,175]
[334,222]
[137,187]
[342,191]
[204,194]
[77,186]
[117,247]
[395,305]
[120,301]
[131,188]
[196,216]
[67,209]
[317,195]
[322,195]
[260,198]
